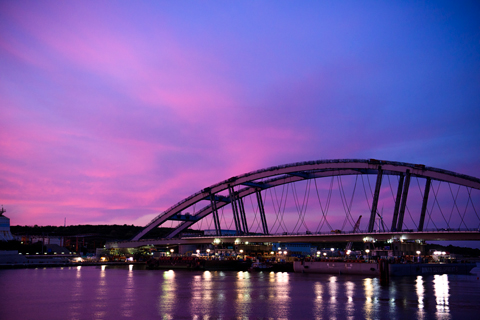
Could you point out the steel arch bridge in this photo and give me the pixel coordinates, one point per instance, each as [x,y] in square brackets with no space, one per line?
[234,190]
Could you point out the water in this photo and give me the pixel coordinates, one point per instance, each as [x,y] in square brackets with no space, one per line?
[129,292]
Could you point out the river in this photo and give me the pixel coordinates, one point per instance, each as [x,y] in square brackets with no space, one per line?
[108,292]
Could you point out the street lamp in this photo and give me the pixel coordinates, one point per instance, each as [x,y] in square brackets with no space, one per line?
[171,251]
[367,251]
[208,251]
[325,254]
[198,251]
[332,251]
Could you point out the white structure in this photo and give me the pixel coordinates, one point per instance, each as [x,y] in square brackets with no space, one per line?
[5,234]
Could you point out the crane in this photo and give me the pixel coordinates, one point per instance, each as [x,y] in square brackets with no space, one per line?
[355,229]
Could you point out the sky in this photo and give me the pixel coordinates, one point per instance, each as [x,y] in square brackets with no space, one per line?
[113,111]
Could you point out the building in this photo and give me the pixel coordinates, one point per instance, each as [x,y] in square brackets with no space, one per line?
[304,249]
[5,234]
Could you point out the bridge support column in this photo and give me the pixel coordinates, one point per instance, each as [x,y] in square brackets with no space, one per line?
[375,199]
[262,211]
[243,217]
[236,218]
[216,220]
[397,203]
[424,204]
[404,201]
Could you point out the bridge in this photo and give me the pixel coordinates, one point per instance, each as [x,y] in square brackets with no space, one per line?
[422,203]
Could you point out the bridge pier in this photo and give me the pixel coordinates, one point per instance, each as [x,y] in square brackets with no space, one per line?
[404,201]
[262,211]
[424,204]
[216,220]
[397,203]
[243,217]
[236,217]
[371,224]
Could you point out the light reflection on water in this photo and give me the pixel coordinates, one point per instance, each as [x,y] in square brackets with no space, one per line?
[108,293]
[318,302]
[100,304]
[441,295]
[128,294]
[332,290]
[167,298]
[420,289]
[77,292]
[243,298]
[350,292]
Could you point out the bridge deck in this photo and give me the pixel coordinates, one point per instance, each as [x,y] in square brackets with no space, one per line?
[309,238]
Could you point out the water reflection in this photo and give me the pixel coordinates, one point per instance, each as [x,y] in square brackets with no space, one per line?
[440,283]
[371,288]
[202,300]
[279,295]
[243,297]
[332,290]
[128,294]
[100,303]
[349,291]
[420,289]
[319,306]
[167,299]
[77,292]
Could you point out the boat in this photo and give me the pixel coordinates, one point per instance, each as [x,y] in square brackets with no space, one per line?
[261,266]
[376,268]
[189,263]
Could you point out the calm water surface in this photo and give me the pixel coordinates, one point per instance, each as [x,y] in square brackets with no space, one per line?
[127,292]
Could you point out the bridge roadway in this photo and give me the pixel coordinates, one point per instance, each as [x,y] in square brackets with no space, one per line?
[306,238]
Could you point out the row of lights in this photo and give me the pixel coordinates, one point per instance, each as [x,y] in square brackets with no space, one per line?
[45,253]
[208,251]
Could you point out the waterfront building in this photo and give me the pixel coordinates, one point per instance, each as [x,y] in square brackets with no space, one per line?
[304,249]
[5,234]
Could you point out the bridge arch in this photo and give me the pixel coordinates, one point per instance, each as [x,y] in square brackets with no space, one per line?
[255,181]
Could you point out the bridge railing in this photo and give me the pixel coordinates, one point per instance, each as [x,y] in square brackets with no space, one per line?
[436,230]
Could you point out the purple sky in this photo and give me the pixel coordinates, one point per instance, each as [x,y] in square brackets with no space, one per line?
[111,112]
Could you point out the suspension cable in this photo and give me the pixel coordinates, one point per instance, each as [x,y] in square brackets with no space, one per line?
[432,207]
[279,205]
[464,214]
[365,191]
[346,207]
[254,216]
[454,204]
[438,204]
[471,201]
[284,227]
[297,205]
[327,204]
